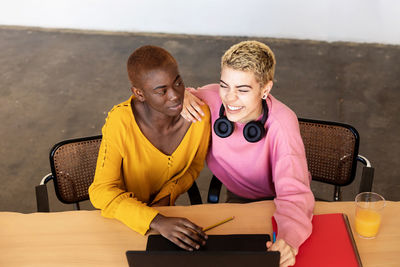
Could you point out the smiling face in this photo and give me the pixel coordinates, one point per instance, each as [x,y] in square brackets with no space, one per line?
[162,89]
[241,95]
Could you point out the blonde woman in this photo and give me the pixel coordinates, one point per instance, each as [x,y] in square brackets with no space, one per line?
[256,149]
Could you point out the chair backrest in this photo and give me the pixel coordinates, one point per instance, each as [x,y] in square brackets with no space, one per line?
[331,150]
[73,164]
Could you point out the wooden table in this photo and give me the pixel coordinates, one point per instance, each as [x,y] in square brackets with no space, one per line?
[85,238]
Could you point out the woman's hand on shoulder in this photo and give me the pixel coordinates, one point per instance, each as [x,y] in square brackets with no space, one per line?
[191,110]
[288,254]
[180,231]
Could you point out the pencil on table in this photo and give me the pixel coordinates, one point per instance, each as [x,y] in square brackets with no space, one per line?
[218,224]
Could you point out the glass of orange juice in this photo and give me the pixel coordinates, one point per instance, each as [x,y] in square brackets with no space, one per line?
[369,207]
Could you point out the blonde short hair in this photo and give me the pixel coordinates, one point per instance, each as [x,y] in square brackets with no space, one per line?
[252,56]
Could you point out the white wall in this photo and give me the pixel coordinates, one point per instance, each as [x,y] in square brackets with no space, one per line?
[374,21]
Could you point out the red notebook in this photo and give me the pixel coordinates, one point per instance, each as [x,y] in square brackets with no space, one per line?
[331,243]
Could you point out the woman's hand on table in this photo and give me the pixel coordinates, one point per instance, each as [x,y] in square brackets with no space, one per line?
[180,231]
[288,254]
[191,110]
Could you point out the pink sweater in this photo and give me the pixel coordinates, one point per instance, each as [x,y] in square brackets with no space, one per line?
[275,166]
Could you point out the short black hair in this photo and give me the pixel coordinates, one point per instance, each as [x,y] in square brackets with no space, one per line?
[147,58]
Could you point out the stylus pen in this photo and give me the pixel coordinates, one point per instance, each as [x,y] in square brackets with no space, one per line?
[218,224]
[273,237]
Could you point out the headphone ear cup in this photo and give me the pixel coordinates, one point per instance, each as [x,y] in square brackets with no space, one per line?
[223,127]
[254,131]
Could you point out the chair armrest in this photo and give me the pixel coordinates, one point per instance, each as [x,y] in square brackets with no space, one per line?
[194,195]
[364,160]
[367,176]
[42,197]
[367,179]
[214,190]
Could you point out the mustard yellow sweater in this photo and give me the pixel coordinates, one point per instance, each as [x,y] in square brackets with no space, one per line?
[131,171]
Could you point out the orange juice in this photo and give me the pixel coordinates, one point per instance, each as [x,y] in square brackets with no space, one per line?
[367,222]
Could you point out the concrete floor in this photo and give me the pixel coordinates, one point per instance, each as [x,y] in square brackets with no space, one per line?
[57,85]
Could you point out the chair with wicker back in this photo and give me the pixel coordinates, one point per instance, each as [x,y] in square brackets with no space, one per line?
[73,165]
[332,155]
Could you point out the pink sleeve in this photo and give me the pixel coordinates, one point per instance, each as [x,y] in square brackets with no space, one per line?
[294,199]
[208,93]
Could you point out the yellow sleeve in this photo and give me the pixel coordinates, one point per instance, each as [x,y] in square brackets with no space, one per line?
[176,187]
[107,191]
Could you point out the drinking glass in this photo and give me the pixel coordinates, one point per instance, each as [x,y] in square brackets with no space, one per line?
[369,207]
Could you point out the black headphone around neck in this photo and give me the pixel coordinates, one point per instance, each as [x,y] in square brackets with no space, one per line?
[253,131]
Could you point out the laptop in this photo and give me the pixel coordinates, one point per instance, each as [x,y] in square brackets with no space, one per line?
[220,250]
[180,258]
[241,242]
